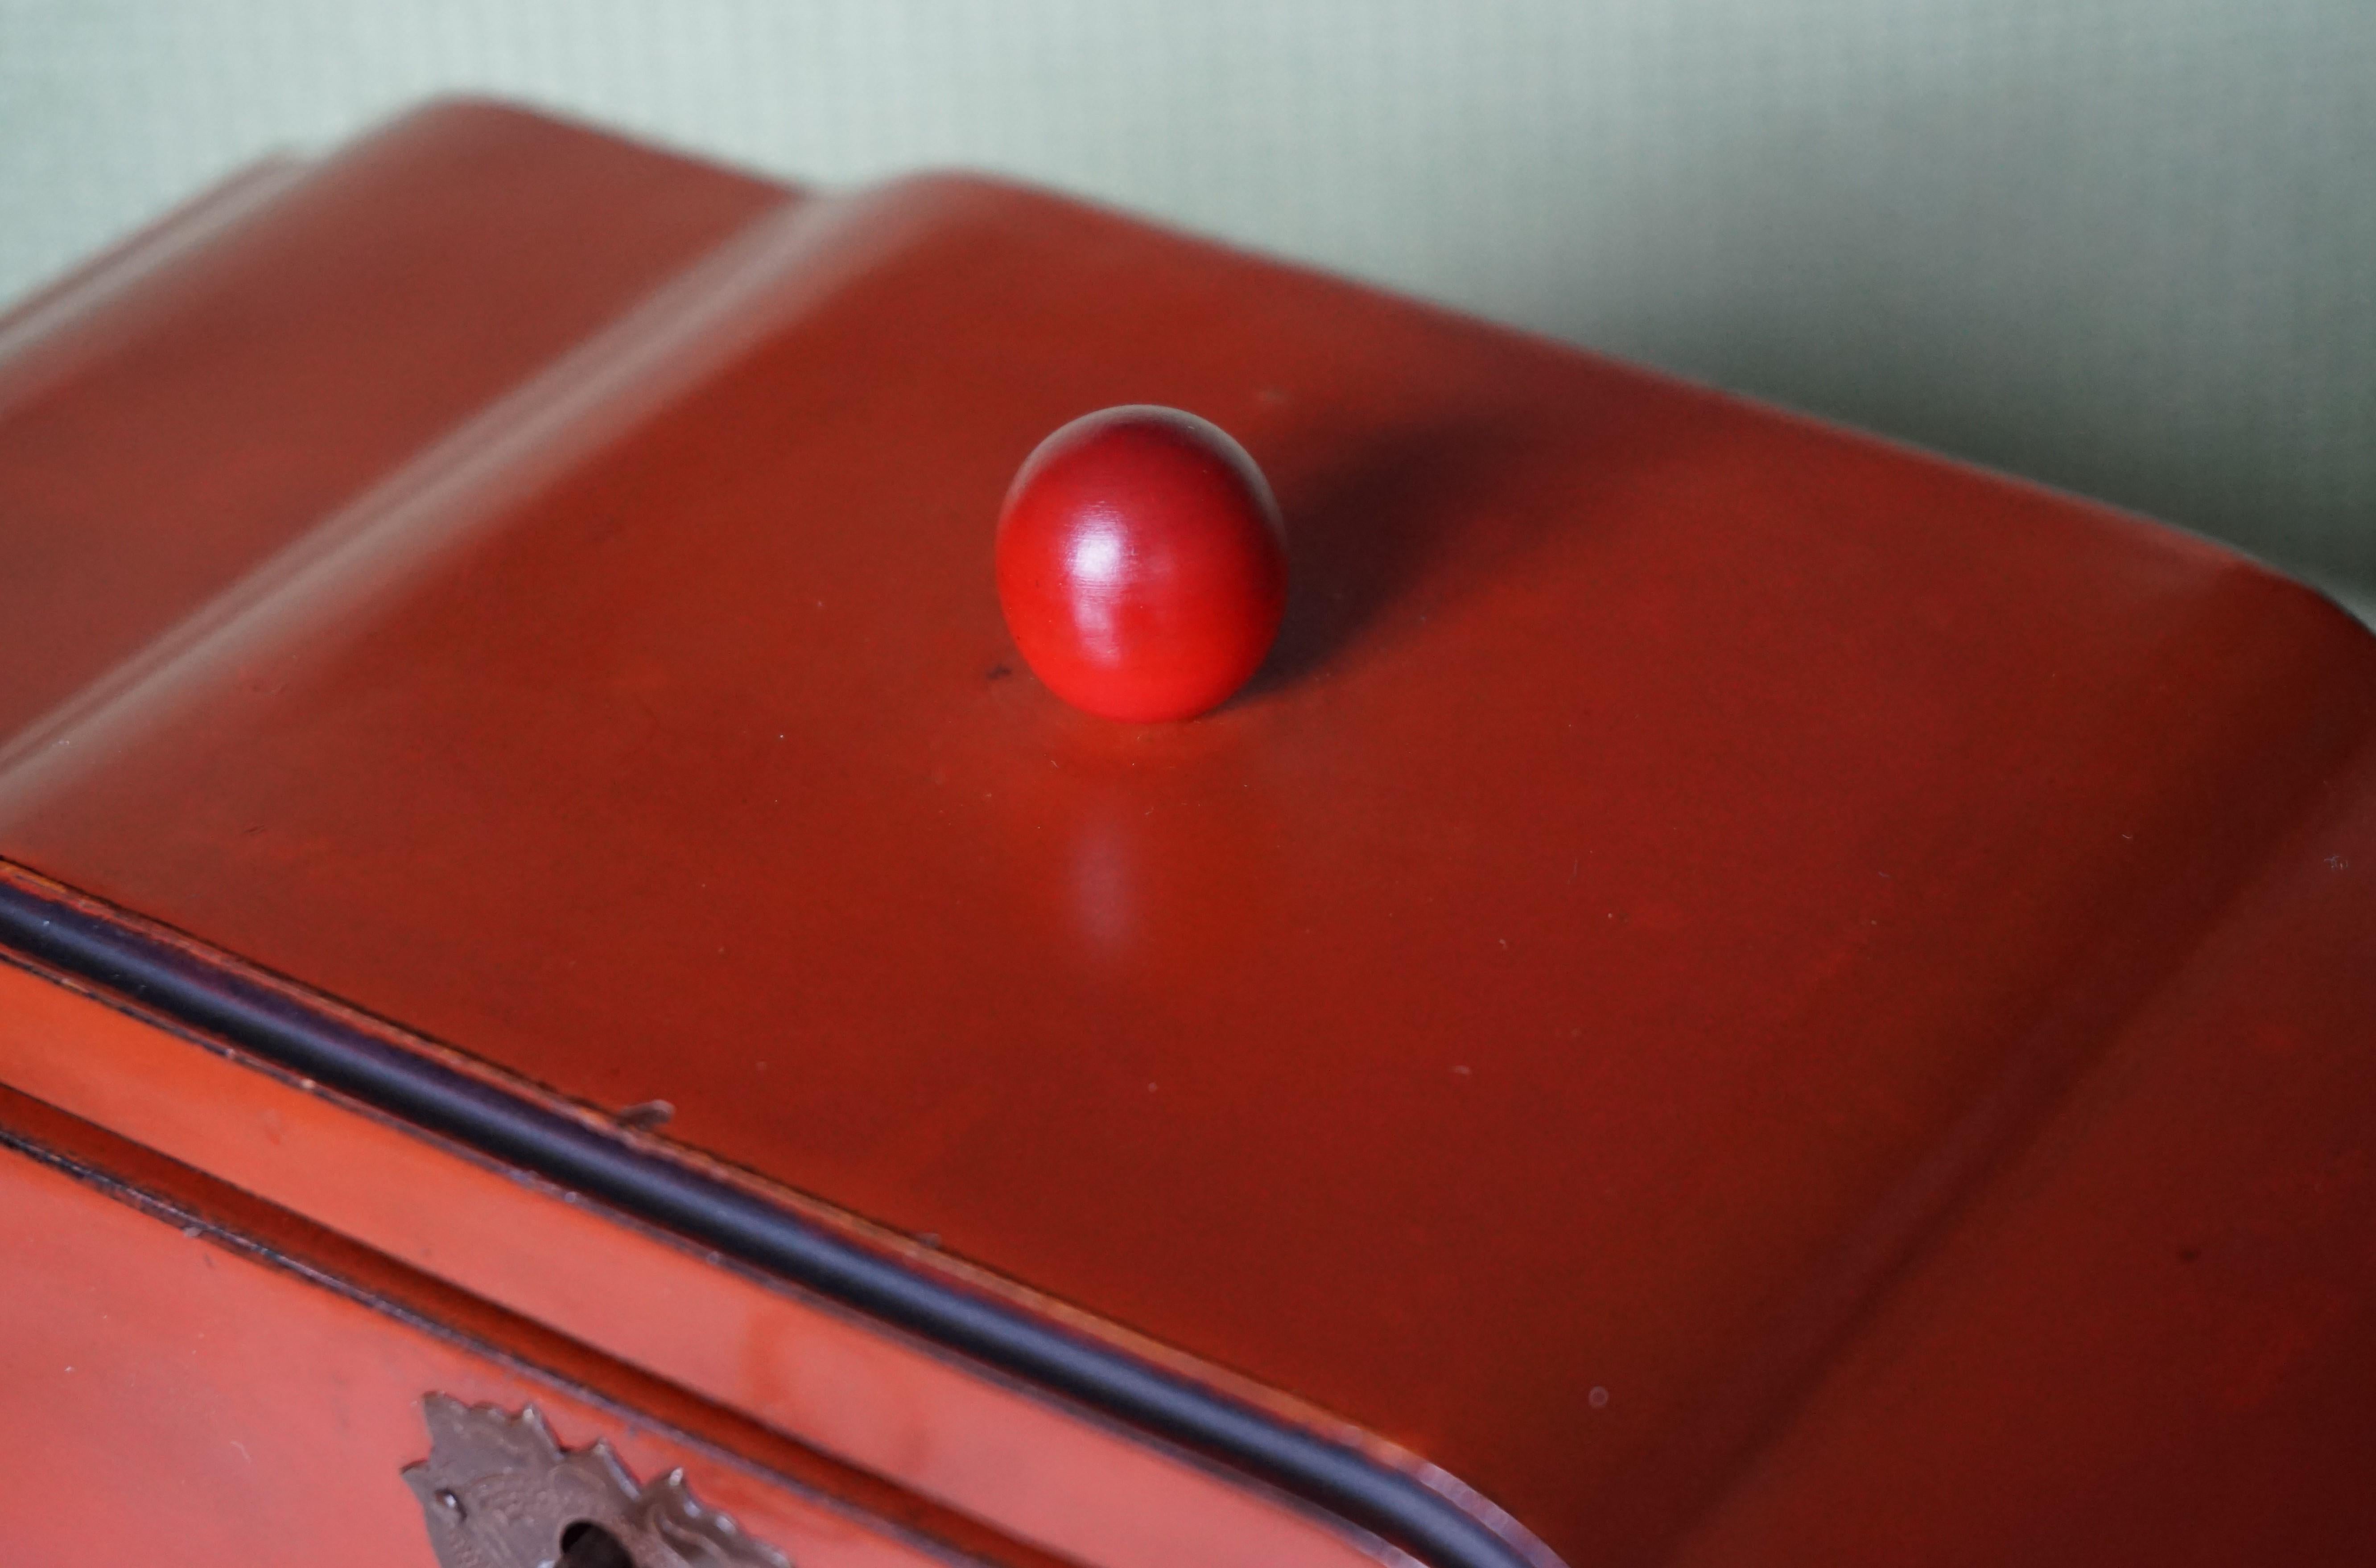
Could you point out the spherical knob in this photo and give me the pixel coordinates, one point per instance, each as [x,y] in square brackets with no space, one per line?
[1141,564]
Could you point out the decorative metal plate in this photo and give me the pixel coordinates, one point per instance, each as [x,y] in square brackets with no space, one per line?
[499,1493]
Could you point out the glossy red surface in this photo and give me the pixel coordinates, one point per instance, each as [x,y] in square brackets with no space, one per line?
[384,292]
[1029,1466]
[1140,565]
[173,1397]
[1719,958]
[2152,1336]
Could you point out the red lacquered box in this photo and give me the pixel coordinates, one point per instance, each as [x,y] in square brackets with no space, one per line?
[1731,993]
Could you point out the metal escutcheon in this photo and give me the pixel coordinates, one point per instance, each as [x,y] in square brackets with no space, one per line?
[499,1493]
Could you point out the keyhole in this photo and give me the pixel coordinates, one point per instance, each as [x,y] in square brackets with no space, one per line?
[586,1544]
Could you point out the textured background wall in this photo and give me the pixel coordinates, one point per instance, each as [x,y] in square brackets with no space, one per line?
[2127,246]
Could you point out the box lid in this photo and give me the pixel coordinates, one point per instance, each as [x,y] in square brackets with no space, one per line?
[1679,862]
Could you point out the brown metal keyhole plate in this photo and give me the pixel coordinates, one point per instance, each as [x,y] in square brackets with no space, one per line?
[498,1491]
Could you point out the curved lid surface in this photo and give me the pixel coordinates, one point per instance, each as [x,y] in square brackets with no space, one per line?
[1676,852]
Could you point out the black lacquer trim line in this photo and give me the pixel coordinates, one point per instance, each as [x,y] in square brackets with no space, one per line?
[281,1029]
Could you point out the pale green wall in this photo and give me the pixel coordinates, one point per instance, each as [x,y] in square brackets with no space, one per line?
[2127,246]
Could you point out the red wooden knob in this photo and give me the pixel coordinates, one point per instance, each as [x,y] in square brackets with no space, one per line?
[1141,564]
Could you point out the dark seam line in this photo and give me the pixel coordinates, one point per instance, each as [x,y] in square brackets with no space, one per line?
[282,1030]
